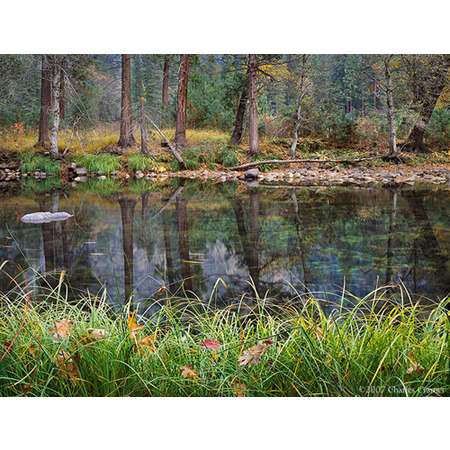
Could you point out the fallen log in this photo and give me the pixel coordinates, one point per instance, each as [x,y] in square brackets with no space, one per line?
[296,161]
[172,148]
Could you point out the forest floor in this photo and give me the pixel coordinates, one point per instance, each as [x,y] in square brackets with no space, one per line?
[94,153]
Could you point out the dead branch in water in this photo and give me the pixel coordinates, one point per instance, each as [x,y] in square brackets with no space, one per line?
[294,161]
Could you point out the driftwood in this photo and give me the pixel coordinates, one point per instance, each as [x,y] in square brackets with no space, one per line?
[172,148]
[295,161]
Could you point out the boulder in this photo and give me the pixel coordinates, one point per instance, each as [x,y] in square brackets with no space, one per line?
[45,217]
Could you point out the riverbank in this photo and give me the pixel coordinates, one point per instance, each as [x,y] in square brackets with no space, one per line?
[376,349]
[93,154]
[396,175]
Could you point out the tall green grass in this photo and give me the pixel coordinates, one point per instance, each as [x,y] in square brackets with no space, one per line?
[102,163]
[381,350]
[31,163]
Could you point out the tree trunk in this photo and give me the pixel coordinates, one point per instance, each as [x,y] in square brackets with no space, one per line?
[126,126]
[54,109]
[390,109]
[144,135]
[127,206]
[165,90]
[180,131]
[253,121]
[44,139]
[238,130]
[183,242]
[62,90]
[427,88]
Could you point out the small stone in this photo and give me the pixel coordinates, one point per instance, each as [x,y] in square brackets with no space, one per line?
[81,179]
[102,177]
[81,171]
[251,173]
[138,175]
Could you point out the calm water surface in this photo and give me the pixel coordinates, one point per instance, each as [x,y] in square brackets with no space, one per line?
[287,241]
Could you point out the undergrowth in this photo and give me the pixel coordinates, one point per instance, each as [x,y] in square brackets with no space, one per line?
[393,350]
[102,163]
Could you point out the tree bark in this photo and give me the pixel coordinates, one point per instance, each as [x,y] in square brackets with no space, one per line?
[390,109]
[44,138]
[183,242]
[127,206]
[144,135]
[62,90]
[253,121]
[301,92]
[427,91]
[126,138]
[55,68]
[165,90]
[238,130]
[180,131]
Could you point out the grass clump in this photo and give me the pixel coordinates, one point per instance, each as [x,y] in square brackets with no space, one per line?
[396,350]
[102,163]
[32,163]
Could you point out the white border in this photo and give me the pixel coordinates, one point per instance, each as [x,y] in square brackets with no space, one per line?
[224,26]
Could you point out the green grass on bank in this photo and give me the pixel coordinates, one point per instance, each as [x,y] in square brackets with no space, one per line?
[102,163]
[31,162]
[397,350]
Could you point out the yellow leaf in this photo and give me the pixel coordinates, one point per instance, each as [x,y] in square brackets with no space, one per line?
[188,372]
[252,356]
[67,365]
[239,389]
[61,329]
[97,334]
[147,343]
[133,326]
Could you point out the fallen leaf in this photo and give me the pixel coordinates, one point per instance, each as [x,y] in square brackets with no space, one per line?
[32,350]
[67,365]
[239,389]
[415,366]
[26,388]
[188,372]
[252,356]
[211,344]
[61,329]
[8,345]
[148,343]
[96,334]
[133,326]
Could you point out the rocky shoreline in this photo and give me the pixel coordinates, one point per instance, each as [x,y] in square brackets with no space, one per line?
[301,176]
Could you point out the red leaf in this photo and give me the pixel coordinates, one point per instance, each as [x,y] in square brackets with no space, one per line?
[211,344]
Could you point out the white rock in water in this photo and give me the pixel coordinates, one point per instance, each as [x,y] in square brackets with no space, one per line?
[45,217]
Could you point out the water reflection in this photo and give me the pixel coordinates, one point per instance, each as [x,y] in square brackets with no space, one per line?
[183,238]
